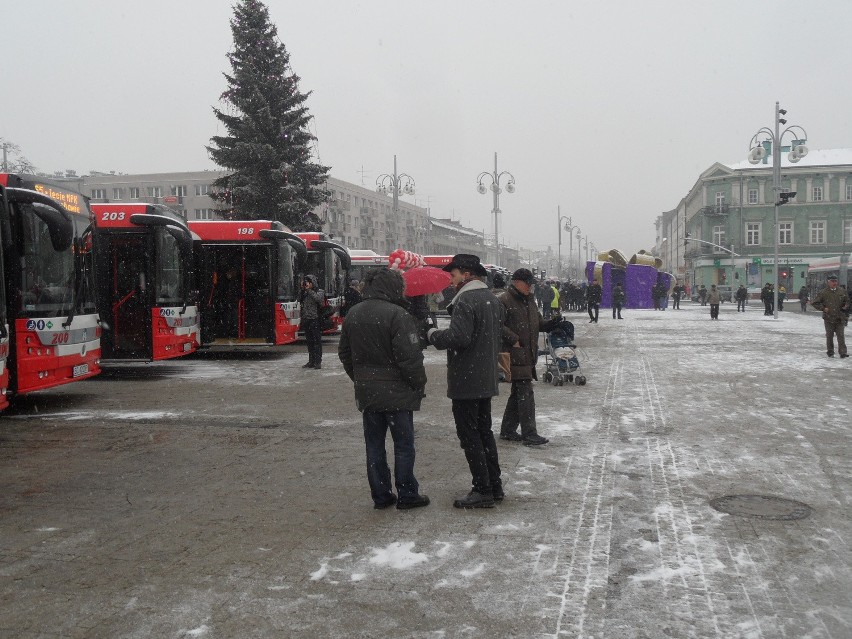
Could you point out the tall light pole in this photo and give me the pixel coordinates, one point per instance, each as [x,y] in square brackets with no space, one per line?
[594,249]
[495,188]
[765,140]
[568,226]
[395,183]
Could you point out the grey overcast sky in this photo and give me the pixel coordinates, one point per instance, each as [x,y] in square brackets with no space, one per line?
[610,109]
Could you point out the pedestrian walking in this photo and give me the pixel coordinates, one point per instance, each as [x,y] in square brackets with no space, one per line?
[312,299]
[741,296]
[351,296]
[380,351]
[803,298]
[834,304]
[702,295]
[677,292]
[520,331]
[618,299]
[782,295]
[766,296]
[714,298]
[472,342]
[594,295]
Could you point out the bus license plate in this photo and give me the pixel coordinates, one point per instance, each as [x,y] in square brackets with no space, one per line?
[80,369]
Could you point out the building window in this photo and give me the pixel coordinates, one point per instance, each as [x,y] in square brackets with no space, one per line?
[753,234]
[155,191]
[847,231]
[117,194]
[849,191]
[817,194]
[718,238]
[98,194]
[818,232]
[785,232]
[134,192]
[720,198]
[202,189]
[752,196]
[205,214]
[179,190]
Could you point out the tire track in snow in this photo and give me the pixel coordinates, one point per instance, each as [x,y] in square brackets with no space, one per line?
[582,571]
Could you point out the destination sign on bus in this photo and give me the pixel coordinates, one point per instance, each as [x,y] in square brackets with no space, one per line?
[73,202]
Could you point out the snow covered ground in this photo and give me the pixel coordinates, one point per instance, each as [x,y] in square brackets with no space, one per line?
[251,517]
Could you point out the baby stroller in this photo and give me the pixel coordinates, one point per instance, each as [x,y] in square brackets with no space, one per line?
[560,357]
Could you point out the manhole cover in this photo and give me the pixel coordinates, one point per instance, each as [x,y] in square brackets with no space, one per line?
[761,506]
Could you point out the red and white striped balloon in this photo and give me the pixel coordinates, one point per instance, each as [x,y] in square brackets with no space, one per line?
[401,259]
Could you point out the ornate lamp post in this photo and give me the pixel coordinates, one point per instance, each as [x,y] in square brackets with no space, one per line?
[568,227]
[495,188]
[395,184]
[766,141]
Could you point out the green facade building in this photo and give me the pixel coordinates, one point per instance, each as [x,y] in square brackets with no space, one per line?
[723,231]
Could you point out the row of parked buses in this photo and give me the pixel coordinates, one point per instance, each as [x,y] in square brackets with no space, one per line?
[124,282]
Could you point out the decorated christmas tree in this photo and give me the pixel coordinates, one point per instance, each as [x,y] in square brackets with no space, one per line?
[267,148]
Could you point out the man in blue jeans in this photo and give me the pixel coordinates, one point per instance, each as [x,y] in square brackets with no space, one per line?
[380,351]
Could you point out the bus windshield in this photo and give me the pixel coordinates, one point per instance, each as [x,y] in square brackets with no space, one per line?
[285,272]
[47,276]
[171,278]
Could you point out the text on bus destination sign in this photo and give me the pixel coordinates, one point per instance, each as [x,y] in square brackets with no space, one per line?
[68,199]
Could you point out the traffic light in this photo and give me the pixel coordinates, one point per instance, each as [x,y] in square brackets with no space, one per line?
[784,274]
[534,271]
[543,273]
[785,196]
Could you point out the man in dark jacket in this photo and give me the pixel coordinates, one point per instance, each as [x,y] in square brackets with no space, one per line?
[741,297]
[594,295]
[472,342]
[520,338]
[312,300]
[834,304]
[351,297]
[380,351]
[767,296]
[618,298]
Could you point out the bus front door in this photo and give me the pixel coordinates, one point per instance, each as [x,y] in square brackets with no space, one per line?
[129,336]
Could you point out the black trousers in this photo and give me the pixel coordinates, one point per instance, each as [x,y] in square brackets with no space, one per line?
[520,409]
[616,308]
[741,305]
[313,336]
[593,311]
[473,427]
[675,302]
[714,311]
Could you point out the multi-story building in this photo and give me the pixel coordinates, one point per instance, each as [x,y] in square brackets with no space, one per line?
[362,218]
[355,216]
[732,207]
[188,192]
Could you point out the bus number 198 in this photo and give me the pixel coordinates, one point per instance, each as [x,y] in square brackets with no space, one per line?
[245,230]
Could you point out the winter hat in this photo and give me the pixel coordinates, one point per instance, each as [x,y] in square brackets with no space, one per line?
[523,275]
[467,262]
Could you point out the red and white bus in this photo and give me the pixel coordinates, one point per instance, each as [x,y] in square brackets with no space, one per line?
[364,261]
[143,268]
[49,329]
[330,263]
[247,275]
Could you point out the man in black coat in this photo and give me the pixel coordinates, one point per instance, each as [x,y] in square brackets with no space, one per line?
[594,295]
[380,351]
[520,338]
[472,343]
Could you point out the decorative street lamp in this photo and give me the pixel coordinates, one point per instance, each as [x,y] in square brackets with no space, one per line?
[766,141]
[568,226]
[495,188]
[395,184]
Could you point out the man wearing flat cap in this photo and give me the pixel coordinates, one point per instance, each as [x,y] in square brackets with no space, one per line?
[472,342]
[834,304]
[521,326]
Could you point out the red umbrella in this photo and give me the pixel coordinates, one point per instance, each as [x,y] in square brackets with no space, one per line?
[423,280]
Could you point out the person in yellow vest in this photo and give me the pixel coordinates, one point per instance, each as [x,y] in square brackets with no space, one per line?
[554,303]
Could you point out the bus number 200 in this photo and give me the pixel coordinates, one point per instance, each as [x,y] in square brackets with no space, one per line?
[60,338]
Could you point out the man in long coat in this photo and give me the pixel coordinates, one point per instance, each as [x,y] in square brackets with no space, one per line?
[472,343]
[520,337]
